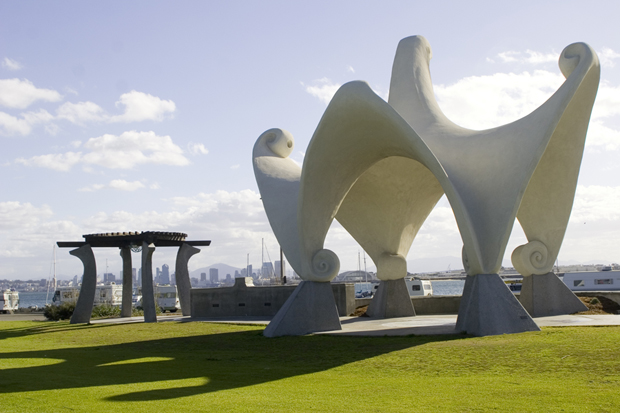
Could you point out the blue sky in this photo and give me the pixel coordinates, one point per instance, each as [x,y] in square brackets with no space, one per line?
[118,116]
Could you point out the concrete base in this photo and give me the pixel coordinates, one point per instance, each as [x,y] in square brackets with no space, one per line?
[545,295]
[392,299]
[310,308]
[488,307]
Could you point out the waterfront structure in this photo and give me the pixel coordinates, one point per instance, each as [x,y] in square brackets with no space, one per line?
[380,167]
[146,242]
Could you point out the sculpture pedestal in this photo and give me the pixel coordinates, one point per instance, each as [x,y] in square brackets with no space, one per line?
[391,300]
[309,309]
[545,295]
[488,307]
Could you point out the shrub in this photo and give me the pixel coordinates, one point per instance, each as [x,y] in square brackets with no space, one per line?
[105,310]
[138,311]
[63,311]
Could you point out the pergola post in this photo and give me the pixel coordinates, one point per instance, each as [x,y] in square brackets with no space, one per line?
[127,281]
[148,296]
[86,299]
[184,285]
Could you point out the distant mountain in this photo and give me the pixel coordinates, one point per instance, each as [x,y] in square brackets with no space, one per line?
[222,270]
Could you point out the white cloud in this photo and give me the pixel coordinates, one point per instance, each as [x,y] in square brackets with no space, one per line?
[123,185]
[26,231]
[21,215]
[235,166]
[40,116]
[57,161]
[12,125]
[92,188]
[607,102]
[607,57]
[137,106]
[529,57]
[235,221]
[52,129]
[133,148]
[481,102]
[11,64]
[141,106]
[596,203]
[323,89]
[118,184]
[19,94]
[81,112]
[197,149]
[350,69]
[116,152]
[602,137]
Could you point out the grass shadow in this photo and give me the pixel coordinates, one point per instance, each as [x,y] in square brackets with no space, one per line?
[45,327]
[225,361]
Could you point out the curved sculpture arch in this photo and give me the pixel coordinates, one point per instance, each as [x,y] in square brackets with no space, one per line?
[366,152]
[485,174]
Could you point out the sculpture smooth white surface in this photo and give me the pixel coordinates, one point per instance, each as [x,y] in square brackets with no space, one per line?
[380,167]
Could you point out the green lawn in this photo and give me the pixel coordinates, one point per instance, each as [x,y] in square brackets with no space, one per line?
[183,367]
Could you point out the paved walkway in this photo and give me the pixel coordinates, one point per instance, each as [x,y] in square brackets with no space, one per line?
[444,324]
[365,326]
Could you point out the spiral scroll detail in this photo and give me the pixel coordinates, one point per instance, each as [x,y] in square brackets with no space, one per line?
[279,141]
[325,266]
[532,258]
[571,56]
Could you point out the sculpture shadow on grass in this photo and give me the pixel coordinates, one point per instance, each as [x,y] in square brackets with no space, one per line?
[225,361]
[44,327]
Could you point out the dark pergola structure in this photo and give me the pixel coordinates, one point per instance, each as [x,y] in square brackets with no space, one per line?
[146,242]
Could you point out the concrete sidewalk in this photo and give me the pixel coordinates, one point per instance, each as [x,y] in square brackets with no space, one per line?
[402,326]
[445,324]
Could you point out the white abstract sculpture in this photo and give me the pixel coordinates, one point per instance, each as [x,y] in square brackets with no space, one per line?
[380,168]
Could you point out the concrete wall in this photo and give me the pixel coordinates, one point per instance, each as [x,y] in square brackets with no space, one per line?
[245,299]
[427,305]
